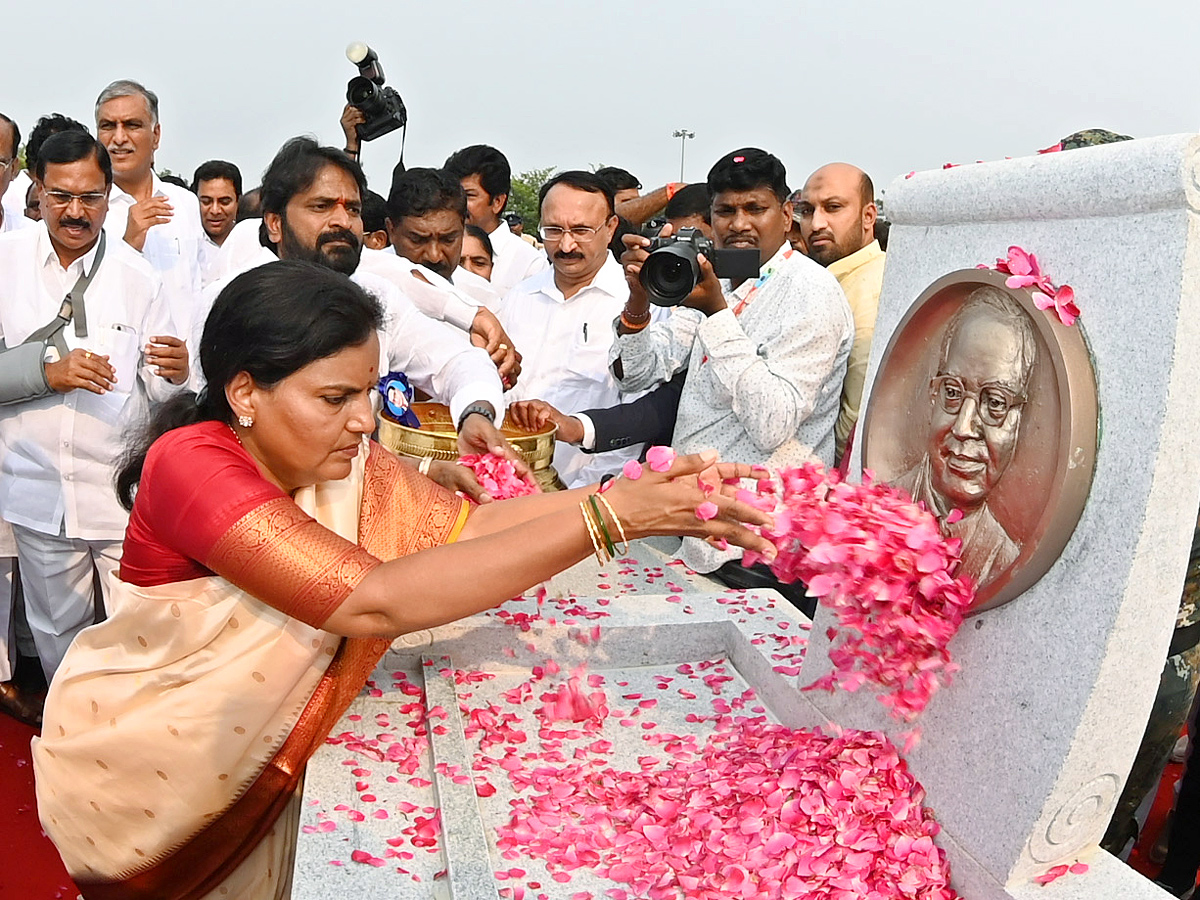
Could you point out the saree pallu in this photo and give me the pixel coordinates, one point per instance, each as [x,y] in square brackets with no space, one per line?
[177,731]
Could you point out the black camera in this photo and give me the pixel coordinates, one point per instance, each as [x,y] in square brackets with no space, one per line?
[381,105]
[671,272]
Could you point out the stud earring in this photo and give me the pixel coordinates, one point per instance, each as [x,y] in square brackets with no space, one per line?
[246,421]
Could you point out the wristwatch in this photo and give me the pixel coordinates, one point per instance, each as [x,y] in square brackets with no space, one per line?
[481,409]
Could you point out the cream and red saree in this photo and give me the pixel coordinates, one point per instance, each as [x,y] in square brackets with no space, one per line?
[176,733]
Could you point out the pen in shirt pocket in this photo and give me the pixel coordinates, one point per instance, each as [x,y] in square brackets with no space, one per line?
[585,332]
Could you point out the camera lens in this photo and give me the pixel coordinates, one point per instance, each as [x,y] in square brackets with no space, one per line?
[669,274]
[362,93]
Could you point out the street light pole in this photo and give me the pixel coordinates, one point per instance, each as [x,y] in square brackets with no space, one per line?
[683,134]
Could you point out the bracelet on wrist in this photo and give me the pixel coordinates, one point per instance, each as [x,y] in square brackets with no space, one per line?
[616,521]
[608,541]
[349,152]
[634,326]
[593,533]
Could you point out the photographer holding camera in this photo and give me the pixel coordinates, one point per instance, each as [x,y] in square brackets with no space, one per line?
[765,356]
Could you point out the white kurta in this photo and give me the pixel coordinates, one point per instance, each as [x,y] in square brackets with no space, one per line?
[174,250]
[514,260]
[565,347]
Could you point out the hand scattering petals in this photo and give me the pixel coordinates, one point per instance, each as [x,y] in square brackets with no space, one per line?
[498,476]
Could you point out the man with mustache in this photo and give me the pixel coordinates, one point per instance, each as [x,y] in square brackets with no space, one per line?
[562,318]
[764,357]
[312,210]
[987,357]
[837,215]
[159,220]
[80,385]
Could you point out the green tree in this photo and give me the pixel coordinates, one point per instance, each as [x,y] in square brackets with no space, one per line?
[524,196]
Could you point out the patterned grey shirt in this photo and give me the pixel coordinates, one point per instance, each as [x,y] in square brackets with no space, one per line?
[762,387]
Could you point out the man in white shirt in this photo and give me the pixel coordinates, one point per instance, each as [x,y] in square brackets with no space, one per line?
[562,318]
[95,377]
[487,180]
[312,203]
[765,357]
[159,220]
[426,220]
[217,184]
[12,215]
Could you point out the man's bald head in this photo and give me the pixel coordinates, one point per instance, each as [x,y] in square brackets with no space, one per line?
[837,212]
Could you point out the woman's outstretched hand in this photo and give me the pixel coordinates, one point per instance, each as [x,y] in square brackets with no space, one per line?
[667,503]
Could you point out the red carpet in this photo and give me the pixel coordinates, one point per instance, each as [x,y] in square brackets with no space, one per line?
[32,869]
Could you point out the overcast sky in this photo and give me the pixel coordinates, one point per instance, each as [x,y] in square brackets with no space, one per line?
[888,86]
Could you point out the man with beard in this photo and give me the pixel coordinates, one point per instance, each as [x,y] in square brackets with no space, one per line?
[987,357]
[837,216]
[159,220]
[76,374]
[312,210]
[562,318]
[764,357]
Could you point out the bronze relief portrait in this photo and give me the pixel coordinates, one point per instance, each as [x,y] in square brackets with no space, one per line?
[987,405]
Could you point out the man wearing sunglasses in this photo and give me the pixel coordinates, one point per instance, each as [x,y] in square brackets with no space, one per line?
[83,325]
[976,398]
[562,318]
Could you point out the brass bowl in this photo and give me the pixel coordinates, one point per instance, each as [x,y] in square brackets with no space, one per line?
[437,438]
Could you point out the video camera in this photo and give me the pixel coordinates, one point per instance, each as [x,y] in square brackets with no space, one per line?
[381,105]
[672,271]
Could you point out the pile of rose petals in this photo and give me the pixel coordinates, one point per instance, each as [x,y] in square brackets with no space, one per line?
[762,812]
[881,563]
[498,476]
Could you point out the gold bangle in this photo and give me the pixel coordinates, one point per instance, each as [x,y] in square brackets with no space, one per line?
[424,464]
[593,533]
[616,521]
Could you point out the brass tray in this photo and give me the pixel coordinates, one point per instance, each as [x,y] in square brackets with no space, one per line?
[437,438]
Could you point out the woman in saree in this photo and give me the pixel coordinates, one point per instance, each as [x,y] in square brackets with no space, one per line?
[273,551]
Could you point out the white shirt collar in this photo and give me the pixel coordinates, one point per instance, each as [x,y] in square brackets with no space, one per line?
[609,279]
[48,255]
[156,189]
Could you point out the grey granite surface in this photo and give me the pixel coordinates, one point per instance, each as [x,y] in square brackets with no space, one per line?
[633,626]
[1025,755]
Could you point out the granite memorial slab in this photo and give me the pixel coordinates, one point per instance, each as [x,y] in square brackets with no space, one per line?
[1025,754]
